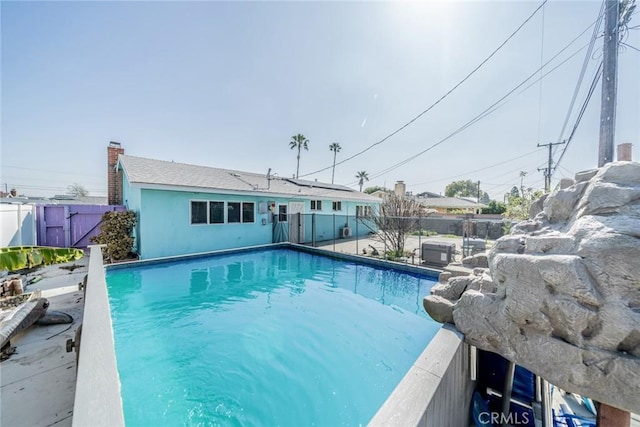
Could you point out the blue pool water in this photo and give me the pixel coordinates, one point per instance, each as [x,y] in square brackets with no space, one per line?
[264,338]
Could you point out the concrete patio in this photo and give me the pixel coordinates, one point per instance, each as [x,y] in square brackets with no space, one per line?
[37,383]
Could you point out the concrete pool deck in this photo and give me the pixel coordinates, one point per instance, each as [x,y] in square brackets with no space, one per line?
[38,381]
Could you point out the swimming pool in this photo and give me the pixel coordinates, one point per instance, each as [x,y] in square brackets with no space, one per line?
[269,337]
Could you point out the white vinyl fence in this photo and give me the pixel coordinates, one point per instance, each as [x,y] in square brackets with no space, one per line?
[17,225]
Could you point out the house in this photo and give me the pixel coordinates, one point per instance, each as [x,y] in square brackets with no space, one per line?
[184,208]
[432,202]
[445,205]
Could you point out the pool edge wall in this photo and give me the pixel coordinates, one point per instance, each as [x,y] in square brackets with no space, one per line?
[432,393]
[437,390]
[98,401]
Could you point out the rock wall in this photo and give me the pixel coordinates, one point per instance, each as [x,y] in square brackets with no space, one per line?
[561,296]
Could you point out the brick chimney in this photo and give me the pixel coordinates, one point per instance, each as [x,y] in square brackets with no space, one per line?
[400,189]
[114,177]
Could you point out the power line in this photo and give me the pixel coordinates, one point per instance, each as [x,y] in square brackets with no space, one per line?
[480,116]
[583,70]
[632,47]
[495,105]
[475,170]
[592,88]
[438,101]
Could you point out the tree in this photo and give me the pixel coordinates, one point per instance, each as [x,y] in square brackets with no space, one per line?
[395,219]
[335,147]
[514,192]
[462,188]
[466,188]
[362,176]
[518,206]
[298,141]
[370,190]
[496,208]
[77,190]
[522,175]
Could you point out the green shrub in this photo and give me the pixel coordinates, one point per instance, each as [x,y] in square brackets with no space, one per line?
[116,232]
[393,255]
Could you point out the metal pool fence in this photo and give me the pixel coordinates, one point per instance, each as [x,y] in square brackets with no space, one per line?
[380,237]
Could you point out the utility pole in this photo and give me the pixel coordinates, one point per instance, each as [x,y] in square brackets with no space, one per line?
[478,191]
[609,82]
[548,170]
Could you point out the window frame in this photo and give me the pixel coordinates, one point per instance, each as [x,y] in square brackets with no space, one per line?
[286,213]
[224,212]
[253,213]
[315,205]
[239,221]
[206,212]
[364,211]
[336,203]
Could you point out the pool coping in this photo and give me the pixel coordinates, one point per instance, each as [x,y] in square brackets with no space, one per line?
[98,400]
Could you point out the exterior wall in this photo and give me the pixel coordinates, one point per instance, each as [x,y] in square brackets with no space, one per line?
[132,201]
[490,228]
[165,228]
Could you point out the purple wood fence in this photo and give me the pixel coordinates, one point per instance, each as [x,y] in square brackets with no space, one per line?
[70,226]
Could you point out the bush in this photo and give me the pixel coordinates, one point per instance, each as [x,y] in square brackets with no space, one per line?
[395,255]
[116,232]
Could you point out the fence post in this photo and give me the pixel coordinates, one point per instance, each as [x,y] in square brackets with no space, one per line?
[384,254]
[334,232]
[67,228]
[419,238]
[356,232]
[313,229]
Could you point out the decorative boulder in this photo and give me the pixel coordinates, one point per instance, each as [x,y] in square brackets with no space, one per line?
[566,303]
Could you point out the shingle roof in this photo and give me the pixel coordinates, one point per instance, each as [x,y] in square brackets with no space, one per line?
[159,172]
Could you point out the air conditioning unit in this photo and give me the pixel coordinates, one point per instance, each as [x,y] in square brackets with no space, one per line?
[440,254]
[345,232]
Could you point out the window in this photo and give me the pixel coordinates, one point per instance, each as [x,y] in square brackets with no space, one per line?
[363,211]
[216,212]
[233,212]
[213,212]
[248,212]
[198,212]
[282,213]
[316,205]
[337,206]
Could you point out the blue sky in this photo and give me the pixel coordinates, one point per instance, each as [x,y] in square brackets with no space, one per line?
[227,85]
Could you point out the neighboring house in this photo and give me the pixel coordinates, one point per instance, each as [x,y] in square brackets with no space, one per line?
[444,205]
[185,209]
[66,199]
[432,202]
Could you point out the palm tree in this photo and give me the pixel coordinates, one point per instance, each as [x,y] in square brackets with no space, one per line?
[522,175]
[335,147]
[299,141]
[362,176]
